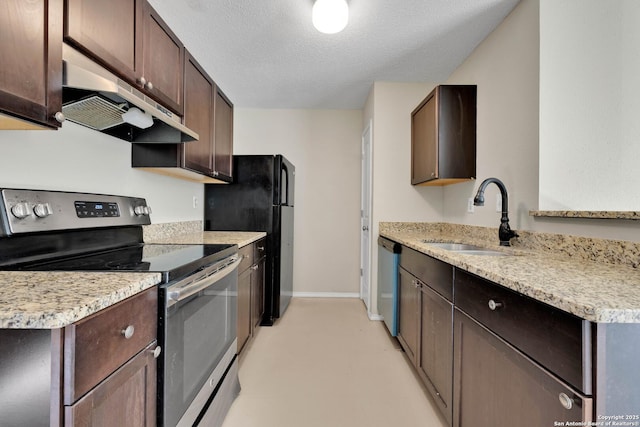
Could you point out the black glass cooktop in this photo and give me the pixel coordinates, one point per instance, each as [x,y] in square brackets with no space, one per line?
[173,261]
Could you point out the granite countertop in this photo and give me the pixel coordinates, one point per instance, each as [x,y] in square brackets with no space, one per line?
[240,238]
[595,291]
[49,300]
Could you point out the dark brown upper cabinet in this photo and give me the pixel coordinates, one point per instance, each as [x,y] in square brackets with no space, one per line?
[443,136]
[129,38]
[199,92]
[31,70]
[163,62]
[208,112]
[223,123]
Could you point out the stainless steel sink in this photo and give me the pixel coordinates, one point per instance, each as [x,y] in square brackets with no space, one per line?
[466,248]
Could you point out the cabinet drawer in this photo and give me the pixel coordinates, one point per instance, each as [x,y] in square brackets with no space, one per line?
[436,274]
[553,338]
[246,255]
[498,386]
[96,346]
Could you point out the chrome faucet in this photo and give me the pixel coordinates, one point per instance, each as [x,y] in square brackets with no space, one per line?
[504,232]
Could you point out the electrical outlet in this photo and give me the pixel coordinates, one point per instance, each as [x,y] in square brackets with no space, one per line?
[195,202]
[470,205]
[498,203]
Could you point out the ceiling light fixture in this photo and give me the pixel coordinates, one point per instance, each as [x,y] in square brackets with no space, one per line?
[330,16]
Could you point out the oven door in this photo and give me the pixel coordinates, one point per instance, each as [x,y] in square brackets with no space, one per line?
[197,327]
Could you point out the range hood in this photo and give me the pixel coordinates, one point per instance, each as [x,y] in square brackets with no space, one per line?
[94,97]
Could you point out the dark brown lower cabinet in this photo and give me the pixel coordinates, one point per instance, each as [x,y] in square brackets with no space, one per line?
[435,365]
[126,398]
[250,291]
[244,308]
[257,289]
[495,385]
[99,371]
[408,324]
[425,334]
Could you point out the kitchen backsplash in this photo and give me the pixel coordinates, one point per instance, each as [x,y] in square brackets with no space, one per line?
[155,232]
[617,252]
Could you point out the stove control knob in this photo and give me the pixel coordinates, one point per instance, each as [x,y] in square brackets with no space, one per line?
[21,210]
[42,210]
[140,210]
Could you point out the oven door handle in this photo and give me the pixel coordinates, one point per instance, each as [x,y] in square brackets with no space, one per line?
[192,288]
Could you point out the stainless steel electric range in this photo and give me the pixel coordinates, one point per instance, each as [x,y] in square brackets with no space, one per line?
[65,231]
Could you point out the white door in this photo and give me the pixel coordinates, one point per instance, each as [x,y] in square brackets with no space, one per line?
[365,220]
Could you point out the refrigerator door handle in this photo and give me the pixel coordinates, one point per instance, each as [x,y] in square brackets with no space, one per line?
[284,188]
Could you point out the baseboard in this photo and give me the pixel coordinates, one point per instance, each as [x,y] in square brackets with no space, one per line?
[375,316]
[326,295]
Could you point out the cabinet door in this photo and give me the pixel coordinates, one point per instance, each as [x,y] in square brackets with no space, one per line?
[198,115]
[424,142]
[126,398]
[223,124]
[31,70]
[497,386]
[106,31]
[443,136]
[408,325]
[162,62]
[244,308]
[436,348]
[257,293]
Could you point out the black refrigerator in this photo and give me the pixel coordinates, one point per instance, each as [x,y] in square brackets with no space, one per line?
[260,199]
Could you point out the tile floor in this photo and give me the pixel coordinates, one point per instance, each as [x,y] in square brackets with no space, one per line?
[325,364]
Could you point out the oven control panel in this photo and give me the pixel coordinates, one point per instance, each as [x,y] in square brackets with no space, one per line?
[96,209]
[30,211]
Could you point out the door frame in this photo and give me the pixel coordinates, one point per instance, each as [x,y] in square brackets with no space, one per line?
[366,192]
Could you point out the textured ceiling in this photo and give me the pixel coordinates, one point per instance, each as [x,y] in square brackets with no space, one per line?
[266,53]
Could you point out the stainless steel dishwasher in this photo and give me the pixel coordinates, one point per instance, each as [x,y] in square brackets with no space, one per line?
[388,264]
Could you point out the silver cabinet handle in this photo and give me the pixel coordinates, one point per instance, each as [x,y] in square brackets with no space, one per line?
[149,86]
[156,352]
[261,248]
[365,228]
[142,81]
[495,305]
[59,116]
[565,401]
[128,331]
[254,267]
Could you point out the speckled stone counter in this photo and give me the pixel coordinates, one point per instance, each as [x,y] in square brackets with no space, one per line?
[631,215]
[596,290]
[48,300]
[240,238]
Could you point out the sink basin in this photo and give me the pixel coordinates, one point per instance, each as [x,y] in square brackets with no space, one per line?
[450,246]
[466,248]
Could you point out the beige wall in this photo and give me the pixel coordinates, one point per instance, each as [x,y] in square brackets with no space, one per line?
[589,105]
[505,69]
[505,66]
[324,146]
[75,158]
[389,108]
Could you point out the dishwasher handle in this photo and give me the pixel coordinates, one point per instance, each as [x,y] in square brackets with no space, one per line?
[389,245]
